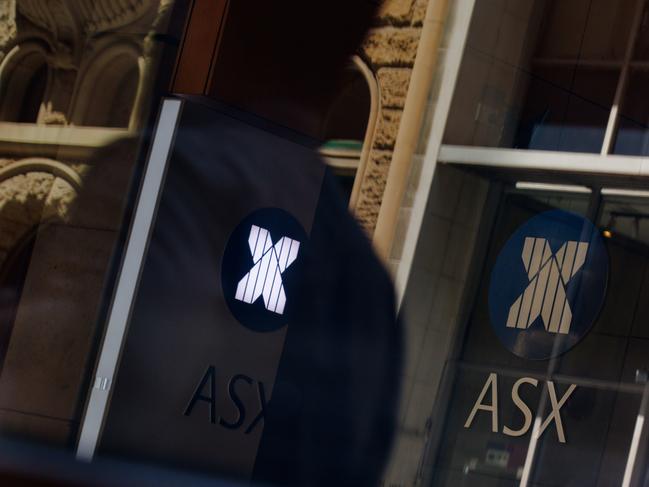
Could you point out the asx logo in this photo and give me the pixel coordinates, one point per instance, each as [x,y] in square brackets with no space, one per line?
[261,269]
[548,285]
[545,294]
[265,277]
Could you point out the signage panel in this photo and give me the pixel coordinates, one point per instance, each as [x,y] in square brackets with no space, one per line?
[216,294]
[548,285]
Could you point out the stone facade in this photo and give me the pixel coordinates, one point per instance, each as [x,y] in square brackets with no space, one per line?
[66,40]
[7,21]
[79,48]
[389,50]
[64,68]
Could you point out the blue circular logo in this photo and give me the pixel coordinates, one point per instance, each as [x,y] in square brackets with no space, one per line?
[260,269]
[548,285]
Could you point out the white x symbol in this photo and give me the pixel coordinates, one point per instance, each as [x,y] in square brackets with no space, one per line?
[548,275]
[265,277]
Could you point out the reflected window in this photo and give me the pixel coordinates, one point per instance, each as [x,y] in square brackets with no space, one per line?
[119,114]
[23,83]
[345,125]
[109,88]
[13,273]
[554,75]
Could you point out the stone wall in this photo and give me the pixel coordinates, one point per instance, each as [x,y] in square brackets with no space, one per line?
[81,42]
[42,171]
[31,197]
[389,50]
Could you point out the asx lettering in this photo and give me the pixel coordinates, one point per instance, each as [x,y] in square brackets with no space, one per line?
[206,392]
[491,385]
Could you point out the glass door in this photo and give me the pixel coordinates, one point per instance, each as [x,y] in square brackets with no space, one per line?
[546,382]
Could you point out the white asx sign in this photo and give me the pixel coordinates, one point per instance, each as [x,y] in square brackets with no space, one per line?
[265,277]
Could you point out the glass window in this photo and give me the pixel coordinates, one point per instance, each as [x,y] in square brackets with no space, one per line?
[632,131]
[553,75]
[503,413]
[344,125]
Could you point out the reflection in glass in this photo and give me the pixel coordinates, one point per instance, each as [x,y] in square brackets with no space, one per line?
[599,419]
[633,125]
[75,75]
[541,74]
[567,109]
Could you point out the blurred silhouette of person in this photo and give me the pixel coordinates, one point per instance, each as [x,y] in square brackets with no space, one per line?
[332,415]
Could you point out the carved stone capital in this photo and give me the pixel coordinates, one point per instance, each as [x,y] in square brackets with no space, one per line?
[69,19]
[7,21]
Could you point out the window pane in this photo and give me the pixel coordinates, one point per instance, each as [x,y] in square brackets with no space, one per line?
[626,218]
[540,74]
[633,125]
[641,48]
[567,109]
[493,390]
[589,30]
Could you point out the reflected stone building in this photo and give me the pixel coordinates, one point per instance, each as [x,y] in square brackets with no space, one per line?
[74,76]
[77,75]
